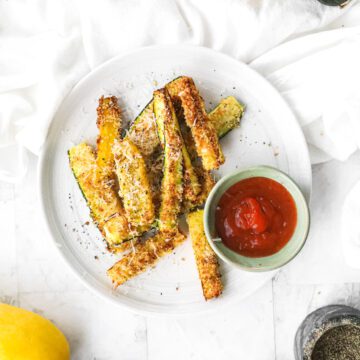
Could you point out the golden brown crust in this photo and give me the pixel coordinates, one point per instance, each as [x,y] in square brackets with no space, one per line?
[172,182]
[190,181]
[143,131]
[126,246]
[207,183]
[144,256]
[108,123]
[205,178]
[203,131]
[134,186]
[96,178]
[206,260]
[104,204]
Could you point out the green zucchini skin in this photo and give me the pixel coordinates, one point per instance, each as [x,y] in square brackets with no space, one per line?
[226,115]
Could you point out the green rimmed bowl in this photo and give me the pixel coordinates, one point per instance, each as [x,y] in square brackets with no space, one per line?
[266,263]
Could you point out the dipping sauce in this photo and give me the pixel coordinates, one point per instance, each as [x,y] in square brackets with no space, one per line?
[256,217]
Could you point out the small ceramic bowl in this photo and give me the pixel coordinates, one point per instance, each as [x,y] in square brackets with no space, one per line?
[288,252]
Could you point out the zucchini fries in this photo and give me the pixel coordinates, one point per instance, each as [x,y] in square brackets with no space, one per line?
[203,131]
[134,187]
[105,207]
[143,133]
[144,256]
[145,177]
[206,260]
[172,182]
[108,123]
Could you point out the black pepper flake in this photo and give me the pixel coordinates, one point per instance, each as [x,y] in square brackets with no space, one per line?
[339,343]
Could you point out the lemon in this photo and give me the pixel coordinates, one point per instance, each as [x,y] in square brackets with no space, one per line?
[27,336]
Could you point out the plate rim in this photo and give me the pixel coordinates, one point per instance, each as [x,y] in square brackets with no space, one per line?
[41,179]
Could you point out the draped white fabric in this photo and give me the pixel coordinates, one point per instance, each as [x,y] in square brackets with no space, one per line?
[47,46]
[308,51]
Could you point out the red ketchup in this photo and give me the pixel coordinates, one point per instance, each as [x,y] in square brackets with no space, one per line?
[256,217]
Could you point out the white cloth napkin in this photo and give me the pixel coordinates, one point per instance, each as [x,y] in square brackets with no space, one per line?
[319,76]
[46,47]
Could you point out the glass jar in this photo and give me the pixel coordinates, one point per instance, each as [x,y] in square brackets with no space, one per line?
[319,321]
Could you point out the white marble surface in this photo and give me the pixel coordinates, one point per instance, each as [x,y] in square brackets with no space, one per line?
[262,327]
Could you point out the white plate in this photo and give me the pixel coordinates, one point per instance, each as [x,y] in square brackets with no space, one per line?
[269,134]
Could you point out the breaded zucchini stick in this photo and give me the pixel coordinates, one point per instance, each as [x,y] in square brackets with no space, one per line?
[172,182]
[108,123]
[103,202]
[96,178]
[206,260]
[134,187]
[143,133]
[191,184]
[226,116]
[205,178]
[207,183]
[144,256]
[202,130]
